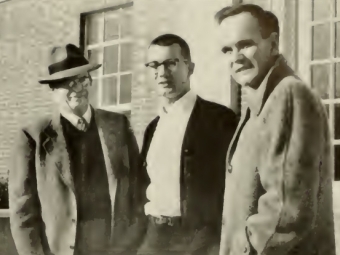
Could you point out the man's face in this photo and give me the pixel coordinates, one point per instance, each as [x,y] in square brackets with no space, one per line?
[246,51]
[171,71]
[73,93]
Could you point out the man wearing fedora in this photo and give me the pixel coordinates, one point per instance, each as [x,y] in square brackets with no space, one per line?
[73,180]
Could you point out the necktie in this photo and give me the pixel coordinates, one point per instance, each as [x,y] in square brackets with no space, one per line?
[82,124]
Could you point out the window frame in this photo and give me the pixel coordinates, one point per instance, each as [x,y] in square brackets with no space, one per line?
[121,108]
[305,62]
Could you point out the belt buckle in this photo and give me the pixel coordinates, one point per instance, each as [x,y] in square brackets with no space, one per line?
[170,222]
[160,219]
[165,220]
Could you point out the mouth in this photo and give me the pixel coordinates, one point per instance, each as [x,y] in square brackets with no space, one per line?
[243,68]
[164,82]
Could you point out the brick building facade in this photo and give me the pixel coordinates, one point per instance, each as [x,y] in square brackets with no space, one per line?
[30,28]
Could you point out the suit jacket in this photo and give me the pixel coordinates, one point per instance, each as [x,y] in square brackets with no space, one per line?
[207,136]
[42,193]
[279,197]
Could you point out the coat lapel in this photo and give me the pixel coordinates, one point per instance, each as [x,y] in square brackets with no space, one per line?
[55,145]
[108,149]
[233,143]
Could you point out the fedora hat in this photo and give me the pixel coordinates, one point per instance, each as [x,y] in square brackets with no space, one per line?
[66,62]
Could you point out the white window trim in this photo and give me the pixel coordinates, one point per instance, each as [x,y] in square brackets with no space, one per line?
[4,213]
[305,48]
[122,108]
[305,63]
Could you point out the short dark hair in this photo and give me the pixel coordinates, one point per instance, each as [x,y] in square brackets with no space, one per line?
[267,20]
[170,39]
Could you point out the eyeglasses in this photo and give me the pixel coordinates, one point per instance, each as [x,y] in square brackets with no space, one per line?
[70,83]
[84,81]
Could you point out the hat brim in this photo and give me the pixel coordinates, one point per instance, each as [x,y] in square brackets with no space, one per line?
[69,73]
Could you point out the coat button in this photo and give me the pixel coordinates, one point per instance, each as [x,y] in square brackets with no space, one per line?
[245,249]
[73,220]
[72,247]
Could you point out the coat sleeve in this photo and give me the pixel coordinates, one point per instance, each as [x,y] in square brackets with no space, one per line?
[138,176]
[137,182]
[287,211]
[24,203]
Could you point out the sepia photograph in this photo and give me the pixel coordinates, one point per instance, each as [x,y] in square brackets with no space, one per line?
[170,127]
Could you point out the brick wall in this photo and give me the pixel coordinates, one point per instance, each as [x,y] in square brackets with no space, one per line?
[194,21]
[28,30]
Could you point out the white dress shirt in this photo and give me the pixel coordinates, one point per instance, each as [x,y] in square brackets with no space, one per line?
[74,119]
[164,158]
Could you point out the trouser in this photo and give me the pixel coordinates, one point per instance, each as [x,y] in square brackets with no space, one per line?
[92,237]
[168,236]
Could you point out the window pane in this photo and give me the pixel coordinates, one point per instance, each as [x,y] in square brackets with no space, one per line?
[111,59]
[93,28]
[125,88]
[337,121]
[126,56]
[321,9]
[93,93]
[320,80]
[126,25]
[337,40]
[337,162]
[109,91]
[95,56]
[337,80]
[111,28]
[321,41]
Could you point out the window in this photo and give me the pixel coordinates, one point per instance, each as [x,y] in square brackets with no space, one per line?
[106,38]
[319,59]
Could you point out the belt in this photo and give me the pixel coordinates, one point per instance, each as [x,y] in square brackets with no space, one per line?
[171,221]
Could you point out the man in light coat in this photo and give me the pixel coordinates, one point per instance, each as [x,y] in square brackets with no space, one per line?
[73,180]
[278,198]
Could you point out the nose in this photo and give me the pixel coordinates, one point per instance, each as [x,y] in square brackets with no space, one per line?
[161,71]
[237,57]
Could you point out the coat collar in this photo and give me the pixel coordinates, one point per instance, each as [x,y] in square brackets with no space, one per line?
[73,119]
[257,98]
[277,73]
[53,141]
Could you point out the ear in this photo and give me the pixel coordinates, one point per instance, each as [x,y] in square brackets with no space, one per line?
[274,39]
[191,67]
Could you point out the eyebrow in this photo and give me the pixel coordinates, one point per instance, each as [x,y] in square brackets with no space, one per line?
[246,42]
[152,62]
[225,49]
[156,62]
[239,44]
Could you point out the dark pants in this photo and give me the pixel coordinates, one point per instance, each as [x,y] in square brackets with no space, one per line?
[92,238]
[168,236]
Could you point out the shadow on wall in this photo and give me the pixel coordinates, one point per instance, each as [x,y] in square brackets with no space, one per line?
[4,193]
[6,240]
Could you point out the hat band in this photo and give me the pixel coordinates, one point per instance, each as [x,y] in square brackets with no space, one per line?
[67,63]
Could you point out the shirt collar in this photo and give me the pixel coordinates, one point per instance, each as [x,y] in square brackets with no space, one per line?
[254,98]
[183,103]
[71,117]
